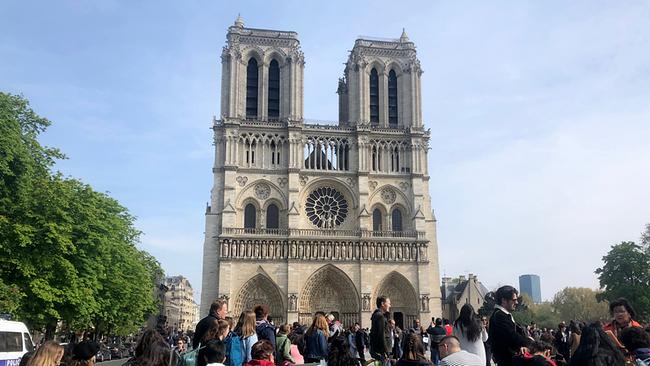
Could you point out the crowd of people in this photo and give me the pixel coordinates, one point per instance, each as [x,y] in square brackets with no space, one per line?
[253,340]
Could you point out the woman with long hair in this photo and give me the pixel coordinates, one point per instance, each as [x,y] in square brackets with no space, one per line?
[245,329]
[470,331]
[49,354]
[339,352]
[413,354]
[597,349]
[316,340]
[151,350]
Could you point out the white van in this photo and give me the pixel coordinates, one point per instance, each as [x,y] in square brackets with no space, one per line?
[15,341]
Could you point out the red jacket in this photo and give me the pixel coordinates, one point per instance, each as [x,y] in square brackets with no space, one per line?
[259,363]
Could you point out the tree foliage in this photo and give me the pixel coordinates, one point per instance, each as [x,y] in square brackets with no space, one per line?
[580,303]
[67,252]
[626,273]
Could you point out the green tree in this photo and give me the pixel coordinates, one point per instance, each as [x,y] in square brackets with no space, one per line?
[67,252]
[545,315]
[580,303]
[523,313]
[626,273]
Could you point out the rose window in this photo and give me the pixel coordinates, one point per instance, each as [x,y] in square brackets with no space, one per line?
[326,208]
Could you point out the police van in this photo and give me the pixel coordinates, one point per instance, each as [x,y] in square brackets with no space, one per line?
[15,341]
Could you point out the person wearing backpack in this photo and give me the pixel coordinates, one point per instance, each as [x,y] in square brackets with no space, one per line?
[245,329]
[264,329]
[234,348]
[283,346]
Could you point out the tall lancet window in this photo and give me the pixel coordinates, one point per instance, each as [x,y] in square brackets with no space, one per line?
[274,91]
[397,220]
[376,220]
[374,96]
[250,216]
[392,99]
[251,89]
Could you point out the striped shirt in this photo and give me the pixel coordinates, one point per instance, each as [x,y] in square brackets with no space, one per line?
[461,358]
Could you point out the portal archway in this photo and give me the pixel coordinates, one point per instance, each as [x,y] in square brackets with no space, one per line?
[261,290]
[403,298]
[329,290]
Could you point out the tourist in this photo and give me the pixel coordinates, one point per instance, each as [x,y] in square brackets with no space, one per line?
[48,354]
[246,330]
[360,339]
[380,338]
[486,345]
[234,348]
[574,338]
[413,352]
[597,349]
[262,353]
[352,340]
[218,310]
[396,339]
[562,341]
[339,353]
[452,355]
[83,354]
[283,345]
[623,314]
[470,331]
[506,337]
[637,341]
[223,328]
[539,354]
[213,354]
[448,328]
[263,328]
[316,340]
[436,333]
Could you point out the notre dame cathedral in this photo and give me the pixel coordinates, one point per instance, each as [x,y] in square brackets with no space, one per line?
[308,217]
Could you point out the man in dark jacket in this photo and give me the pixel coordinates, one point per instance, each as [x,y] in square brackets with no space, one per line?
[380,338]
[360,340]
[505,335]
[263,328]
[218,310]
[436,333]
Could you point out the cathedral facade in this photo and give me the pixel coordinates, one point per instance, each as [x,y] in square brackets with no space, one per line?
[308,217]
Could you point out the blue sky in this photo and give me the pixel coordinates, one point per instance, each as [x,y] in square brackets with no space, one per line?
[539,114]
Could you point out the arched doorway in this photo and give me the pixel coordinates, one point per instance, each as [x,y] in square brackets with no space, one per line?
[260,290]
[329,290]
[403,298]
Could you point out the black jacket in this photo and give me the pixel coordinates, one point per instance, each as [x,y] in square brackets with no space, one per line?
[202,327]
[379,334]
[506,337]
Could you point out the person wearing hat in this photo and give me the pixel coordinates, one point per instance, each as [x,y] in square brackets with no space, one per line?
[83,354]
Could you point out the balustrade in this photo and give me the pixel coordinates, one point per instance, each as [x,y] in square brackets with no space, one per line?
[347,250]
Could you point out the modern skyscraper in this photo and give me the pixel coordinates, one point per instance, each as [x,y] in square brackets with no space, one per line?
[529,285]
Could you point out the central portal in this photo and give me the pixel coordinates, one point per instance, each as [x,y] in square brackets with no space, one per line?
[331,291]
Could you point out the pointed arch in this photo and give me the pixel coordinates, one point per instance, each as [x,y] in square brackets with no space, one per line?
[260,289]
[402,295]
[330,290]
